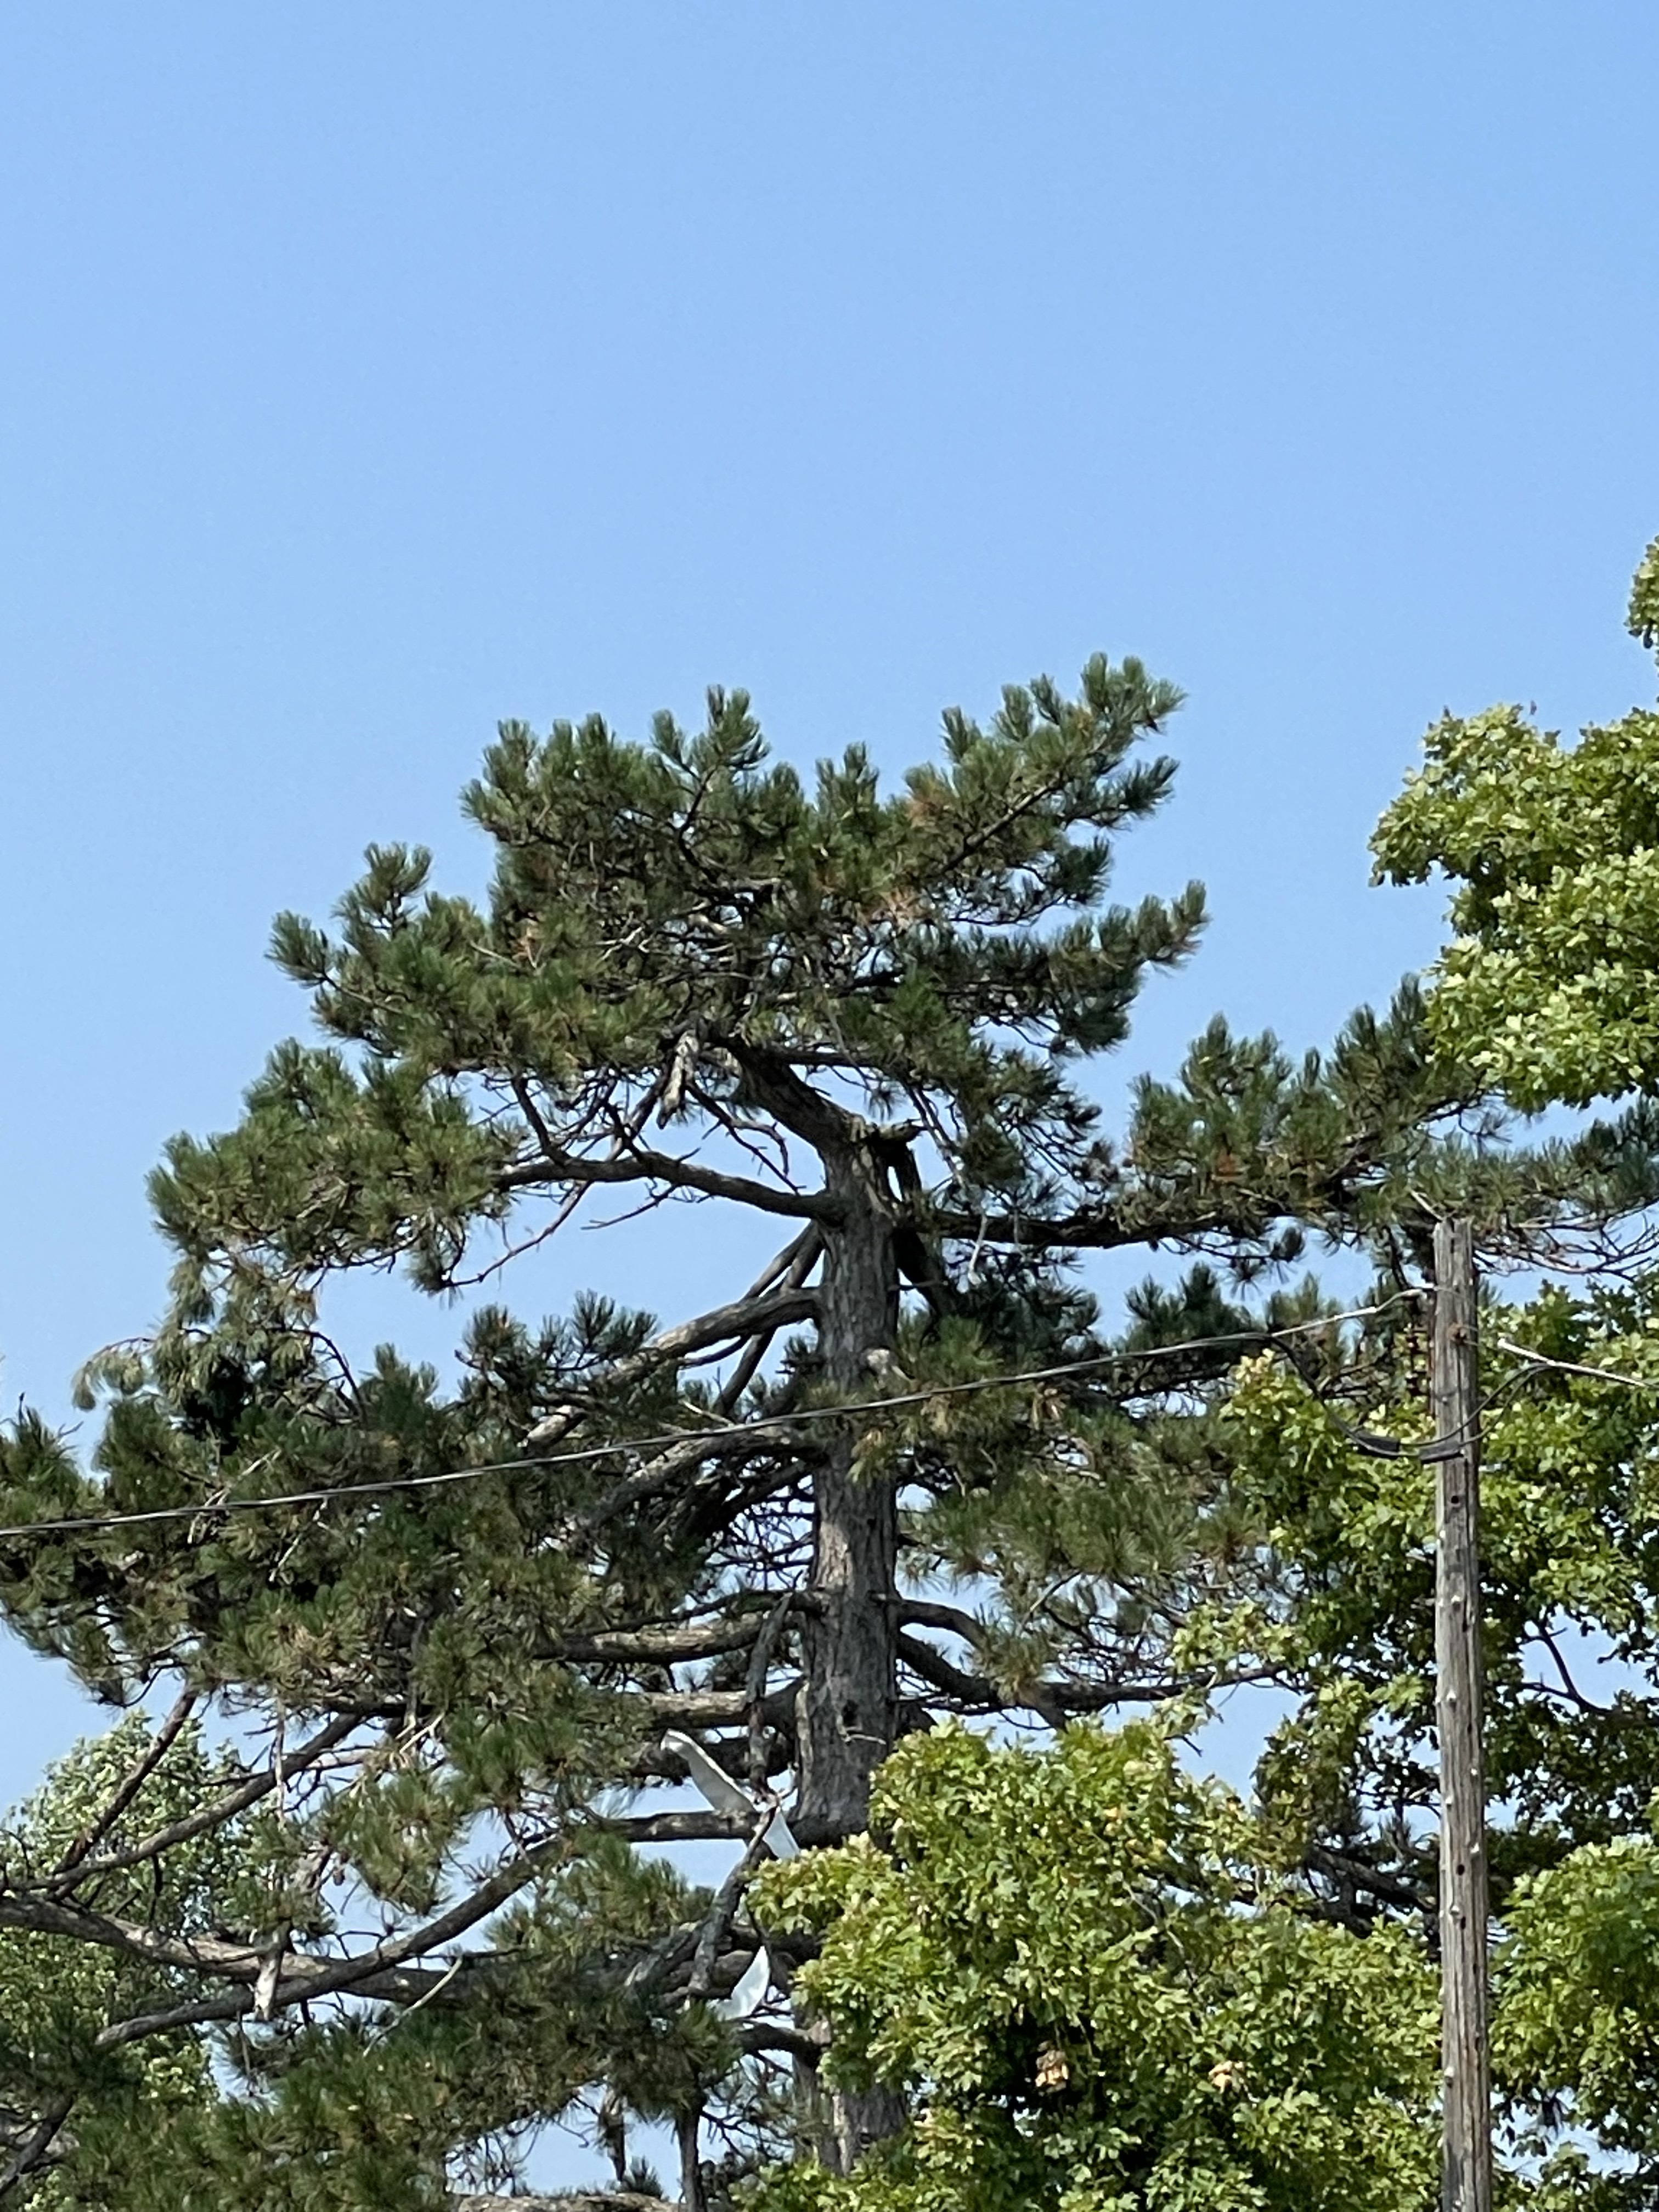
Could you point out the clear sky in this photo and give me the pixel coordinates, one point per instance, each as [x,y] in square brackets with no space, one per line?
[369,374]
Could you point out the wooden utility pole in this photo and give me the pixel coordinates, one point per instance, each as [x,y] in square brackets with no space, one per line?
[1466,2165]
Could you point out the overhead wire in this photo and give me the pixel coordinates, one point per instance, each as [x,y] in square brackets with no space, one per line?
[1578,1367]
[1265,1337]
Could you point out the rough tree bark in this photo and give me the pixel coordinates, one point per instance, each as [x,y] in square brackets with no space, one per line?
[846,1712]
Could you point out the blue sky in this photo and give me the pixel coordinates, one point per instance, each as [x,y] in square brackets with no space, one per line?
[368,374]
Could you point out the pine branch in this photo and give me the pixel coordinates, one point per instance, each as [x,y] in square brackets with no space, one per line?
[156,1750]
[1052,1702]
[38,2149]
[693,1708]
[786,1268]
[383,1972]
[777,1090]
[802,1256]
[1094,1228]
[675,1828]
[663,1473]
[733,1323]
[976,1693]
[666,1168]
[662,1646]
[73,1873]
[305,1978]
[924,1613]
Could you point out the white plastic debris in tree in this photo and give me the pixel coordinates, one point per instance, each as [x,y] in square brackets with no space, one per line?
[726,1796]
[265,1988]
[750,1994]
[779,1840]
[716,1785]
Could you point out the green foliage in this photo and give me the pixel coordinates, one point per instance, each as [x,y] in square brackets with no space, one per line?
[59,1996]
[697,975]
[1547,990]
[461,1617]
[1094,1911]
[1546,993]
[347,2113]
[1571,1563]
[361,2113]
[1570,1601]
[1643,620]
[937,946]
[1078,1963]
[1577,2035]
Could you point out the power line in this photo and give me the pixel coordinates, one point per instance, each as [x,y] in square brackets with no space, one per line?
[1578,1367]
[728,1431]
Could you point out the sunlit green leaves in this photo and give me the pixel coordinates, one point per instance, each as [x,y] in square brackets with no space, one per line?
[1547,990]
[1078,1962]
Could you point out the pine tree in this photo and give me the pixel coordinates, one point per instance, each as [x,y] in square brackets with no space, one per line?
[901,1474]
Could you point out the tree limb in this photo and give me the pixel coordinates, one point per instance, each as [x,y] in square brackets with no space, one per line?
[716,1708]
[647,1166]
[803,1257]
[663,1646]
[676,1828]
[569,2200]
[160,1744]
[381,1972]
[211,1816]
[37,2150]
[1051,1701]
[743,1318]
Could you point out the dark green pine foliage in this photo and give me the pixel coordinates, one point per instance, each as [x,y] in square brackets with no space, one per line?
[860,1023]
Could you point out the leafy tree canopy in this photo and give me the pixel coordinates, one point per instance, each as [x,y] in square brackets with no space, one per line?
[943,1940]
[1547,988]
[1080,1964]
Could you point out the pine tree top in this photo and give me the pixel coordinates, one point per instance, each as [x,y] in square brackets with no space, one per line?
[682,936]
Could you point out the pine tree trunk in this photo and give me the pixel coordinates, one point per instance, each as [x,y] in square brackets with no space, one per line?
[846,1711]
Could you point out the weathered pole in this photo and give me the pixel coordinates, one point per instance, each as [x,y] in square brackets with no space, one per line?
[1466,2165]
